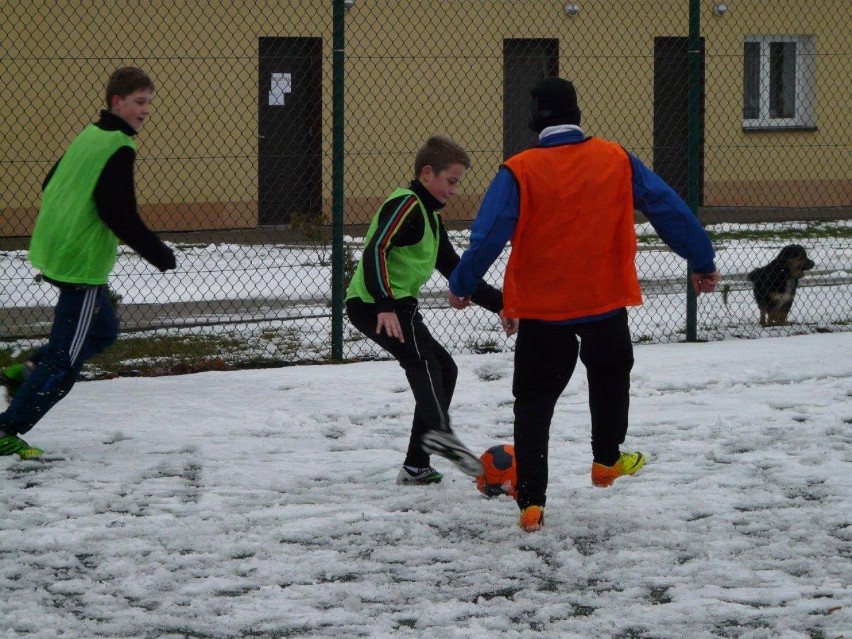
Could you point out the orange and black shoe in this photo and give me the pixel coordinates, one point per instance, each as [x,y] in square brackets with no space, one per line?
[532,518]
[627,464]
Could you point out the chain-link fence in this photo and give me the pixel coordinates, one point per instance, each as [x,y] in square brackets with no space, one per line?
[280,126]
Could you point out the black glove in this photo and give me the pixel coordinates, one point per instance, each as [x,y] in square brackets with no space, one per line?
[166,261]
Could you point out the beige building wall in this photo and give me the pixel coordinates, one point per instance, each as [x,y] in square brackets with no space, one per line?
[780,168]
[197,159]
[412,70]
[462,95]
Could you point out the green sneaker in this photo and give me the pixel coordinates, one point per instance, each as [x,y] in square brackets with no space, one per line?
[627,464]
[13,376]
[14,445]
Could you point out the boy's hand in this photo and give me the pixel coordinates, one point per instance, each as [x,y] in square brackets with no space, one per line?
[510,324]
[459,302]
[169,263]
[390,322]
[705,282]
[164,259]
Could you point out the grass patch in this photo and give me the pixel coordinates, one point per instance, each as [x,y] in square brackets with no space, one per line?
[770,232]
[792,233]
[149,355]
[162,354]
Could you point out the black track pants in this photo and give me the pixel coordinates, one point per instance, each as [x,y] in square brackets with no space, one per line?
[545,358]
[429,368]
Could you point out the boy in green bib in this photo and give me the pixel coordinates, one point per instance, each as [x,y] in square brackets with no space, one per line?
[405,243]
[88,207]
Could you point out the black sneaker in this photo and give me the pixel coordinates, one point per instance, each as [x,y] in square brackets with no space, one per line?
[448,446]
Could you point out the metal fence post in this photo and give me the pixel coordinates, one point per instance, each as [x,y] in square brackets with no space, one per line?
[693,150]
[337,194]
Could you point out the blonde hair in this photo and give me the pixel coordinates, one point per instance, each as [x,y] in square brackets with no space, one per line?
[439,152]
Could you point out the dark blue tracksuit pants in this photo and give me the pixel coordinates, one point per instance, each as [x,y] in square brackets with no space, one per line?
[84,324]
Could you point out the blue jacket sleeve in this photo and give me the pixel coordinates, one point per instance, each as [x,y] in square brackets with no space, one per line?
[671,218]
[491,230]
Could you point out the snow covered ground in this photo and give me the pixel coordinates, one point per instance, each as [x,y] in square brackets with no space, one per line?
[262,503]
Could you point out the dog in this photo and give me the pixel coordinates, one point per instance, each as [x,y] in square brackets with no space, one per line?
[775,284]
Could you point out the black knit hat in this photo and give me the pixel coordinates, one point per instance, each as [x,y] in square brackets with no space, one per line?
[554,101]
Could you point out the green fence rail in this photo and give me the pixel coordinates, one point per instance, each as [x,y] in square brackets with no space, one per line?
[279,127]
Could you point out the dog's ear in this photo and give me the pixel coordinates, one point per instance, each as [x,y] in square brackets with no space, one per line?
[793,251]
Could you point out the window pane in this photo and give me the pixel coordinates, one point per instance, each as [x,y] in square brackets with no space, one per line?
[751,81]
[782,79]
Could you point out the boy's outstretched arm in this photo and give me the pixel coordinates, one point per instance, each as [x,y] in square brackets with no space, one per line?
[115,200]
[674,222]
[493,227]
[484,295]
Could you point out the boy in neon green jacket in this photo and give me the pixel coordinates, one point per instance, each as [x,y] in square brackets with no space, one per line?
[405,243]
[88,207]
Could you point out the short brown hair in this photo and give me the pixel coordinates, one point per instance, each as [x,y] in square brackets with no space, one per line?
[125,81]
[439,152]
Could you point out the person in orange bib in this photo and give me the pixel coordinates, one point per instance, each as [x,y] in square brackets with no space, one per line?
[567,205]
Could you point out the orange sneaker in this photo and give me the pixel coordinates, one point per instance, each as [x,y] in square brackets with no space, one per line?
[627,464]
[532,518]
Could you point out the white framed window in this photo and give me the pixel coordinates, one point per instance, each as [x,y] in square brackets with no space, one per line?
[779,82]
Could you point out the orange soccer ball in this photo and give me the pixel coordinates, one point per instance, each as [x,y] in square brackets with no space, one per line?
[500,474]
